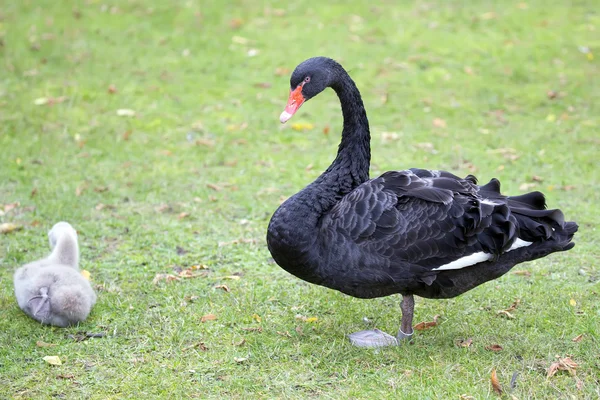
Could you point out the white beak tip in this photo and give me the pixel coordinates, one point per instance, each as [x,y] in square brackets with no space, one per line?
[284,117]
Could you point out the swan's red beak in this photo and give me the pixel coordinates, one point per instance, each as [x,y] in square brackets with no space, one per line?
[294,102]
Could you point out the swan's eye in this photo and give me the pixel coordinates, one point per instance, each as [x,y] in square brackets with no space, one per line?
[307,79]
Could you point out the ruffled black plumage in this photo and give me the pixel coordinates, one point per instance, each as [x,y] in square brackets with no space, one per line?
[391,234]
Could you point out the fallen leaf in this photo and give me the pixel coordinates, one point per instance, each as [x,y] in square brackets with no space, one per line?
[214,187]
[514,305]
[9,227]
[537,178]
[263,85]
[11,206]
[286,334]
[577,338]
[240,360]
[464,343]
[495,383]
[39,343]
[563,364]
[527,186]
[205,142]
[522,273]
[65,376]
[236,23]
[253,329]
[506,314]
[199,345]
[33,192]
[232,277]
[572,302]
[183,215]
[256,317]
[240,343]
[326,130]
[282,71]
[126,134]
[238,241]
[52,360]
[302,126]
[311,319]
[223,287]
[165,277]
[125,112]
[439,123]
[86,274]
[112,89]
[389,136]
[494,347]
[421,326]
[101,189]
[208,317]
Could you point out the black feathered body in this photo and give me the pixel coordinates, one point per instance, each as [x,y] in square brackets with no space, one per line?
[395,233]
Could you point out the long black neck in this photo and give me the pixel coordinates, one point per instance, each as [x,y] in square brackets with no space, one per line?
[293,229]
[351,165]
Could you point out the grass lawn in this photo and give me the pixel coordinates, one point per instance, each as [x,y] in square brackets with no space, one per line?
[191,168]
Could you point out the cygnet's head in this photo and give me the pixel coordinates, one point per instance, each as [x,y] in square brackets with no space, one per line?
[58,230]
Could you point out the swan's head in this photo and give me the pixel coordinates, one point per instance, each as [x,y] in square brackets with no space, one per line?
[309,79]
[58,230]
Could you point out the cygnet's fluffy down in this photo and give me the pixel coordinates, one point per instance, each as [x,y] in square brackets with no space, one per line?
[52,290]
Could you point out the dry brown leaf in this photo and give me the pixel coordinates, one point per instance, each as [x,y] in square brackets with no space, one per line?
[200,345]
[253,329]
[563,364]
[39,343]
[165,277]
[183,215]
[421,326]
[236,23]
[495,383]
[126,134]
[577,338]
[65,376]
[11,206]
[238,241]
[514,305]
[214,187]
[112,89]
[439,123]
[506,314]
[537,178]
[223,287]
[208,317]
[522,273]
[262,85]
[205,142]
[464,343]
[326,130]
[286,334]
[9,227]
[33,192]
[494,347]
[101,189]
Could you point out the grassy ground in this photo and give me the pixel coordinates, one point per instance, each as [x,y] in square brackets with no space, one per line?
[500,89]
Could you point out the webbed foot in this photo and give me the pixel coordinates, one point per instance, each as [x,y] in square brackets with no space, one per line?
[372,338]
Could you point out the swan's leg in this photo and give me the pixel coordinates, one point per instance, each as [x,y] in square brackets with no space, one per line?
[407,306]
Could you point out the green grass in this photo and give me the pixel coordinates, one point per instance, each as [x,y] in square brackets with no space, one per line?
[485,68]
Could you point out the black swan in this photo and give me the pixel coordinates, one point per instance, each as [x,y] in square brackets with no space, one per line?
[52,290]
[415,232]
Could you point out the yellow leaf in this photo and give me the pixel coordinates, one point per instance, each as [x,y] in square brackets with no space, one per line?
[312,319]
[53,360]
[573,302]
[256,317]
[300,126]
[9,227]
[86,274]
[39,343]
